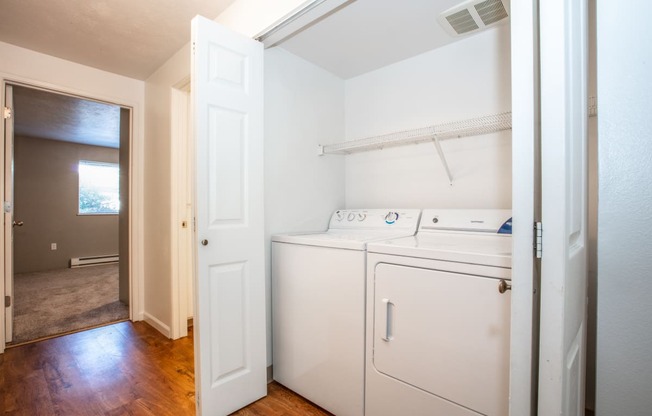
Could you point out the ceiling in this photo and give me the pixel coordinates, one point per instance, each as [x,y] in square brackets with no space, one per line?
[135,37]
[48,115]
[370,34]
[127,37]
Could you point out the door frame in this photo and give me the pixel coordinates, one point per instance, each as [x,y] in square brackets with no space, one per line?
[136,200]
[8,217]
[526,207]
[181,247]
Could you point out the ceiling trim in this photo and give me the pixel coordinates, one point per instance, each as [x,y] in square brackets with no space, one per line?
[296,21]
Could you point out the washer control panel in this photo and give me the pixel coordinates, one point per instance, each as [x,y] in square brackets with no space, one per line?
[375,218]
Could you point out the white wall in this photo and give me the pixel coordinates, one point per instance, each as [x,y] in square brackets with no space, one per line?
[465,79]
[248,17]
[44,70]
[304,107]
[624,328]
[24,65]
[158,189]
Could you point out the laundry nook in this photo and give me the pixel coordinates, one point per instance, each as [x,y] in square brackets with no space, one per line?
[326,207]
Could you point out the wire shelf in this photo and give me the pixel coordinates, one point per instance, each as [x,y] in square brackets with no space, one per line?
[464,128]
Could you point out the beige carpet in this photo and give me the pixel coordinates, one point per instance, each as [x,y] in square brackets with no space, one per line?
[59,301]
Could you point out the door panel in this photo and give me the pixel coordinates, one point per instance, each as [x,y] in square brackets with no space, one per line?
[226,90]
[227,182]
[564,124]
[444,333]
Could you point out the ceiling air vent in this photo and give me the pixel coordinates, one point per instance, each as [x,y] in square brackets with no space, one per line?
[474,15]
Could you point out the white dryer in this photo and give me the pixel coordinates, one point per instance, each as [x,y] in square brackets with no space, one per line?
[318,305]
[437,340]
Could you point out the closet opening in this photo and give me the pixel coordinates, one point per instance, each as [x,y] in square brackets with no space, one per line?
[380,105]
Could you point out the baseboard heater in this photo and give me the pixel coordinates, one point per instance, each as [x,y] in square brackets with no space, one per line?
[93,260]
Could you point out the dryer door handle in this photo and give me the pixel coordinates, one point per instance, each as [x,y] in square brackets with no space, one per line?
[388,305]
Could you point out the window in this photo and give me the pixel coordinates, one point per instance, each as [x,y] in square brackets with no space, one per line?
[99,191]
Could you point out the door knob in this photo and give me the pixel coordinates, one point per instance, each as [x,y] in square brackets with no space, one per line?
[503,286]
[18,223]
[204,242]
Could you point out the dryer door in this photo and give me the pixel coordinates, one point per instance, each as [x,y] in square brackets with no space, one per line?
[444,333]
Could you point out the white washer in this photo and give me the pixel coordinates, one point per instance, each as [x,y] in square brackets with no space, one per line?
[437,339]
[318,305]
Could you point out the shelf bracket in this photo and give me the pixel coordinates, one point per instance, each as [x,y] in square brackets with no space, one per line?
[320,150]
[435,141]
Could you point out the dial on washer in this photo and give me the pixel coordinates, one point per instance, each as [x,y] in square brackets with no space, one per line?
[391,217]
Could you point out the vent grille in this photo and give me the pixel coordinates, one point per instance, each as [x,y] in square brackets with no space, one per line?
[473,15]
[491,11]
[462,21]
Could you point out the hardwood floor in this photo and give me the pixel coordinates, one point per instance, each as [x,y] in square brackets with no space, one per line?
[281,402]
[121,369]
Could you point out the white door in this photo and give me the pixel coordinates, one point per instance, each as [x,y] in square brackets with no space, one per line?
[564,123]
[227,100]
[8,198]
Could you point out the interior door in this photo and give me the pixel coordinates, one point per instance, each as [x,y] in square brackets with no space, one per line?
[8,198]
[230,336]
[564,43]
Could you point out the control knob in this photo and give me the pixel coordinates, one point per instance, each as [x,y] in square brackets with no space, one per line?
[391,217]
[339,215]
[362,216]
[351,216]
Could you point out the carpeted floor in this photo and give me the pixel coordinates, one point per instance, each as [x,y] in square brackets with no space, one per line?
[59,301]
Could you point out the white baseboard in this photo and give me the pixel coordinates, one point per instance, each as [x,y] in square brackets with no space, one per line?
[138,316]
[156,324]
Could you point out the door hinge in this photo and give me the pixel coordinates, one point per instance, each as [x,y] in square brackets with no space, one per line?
[7,301]
[6,113]
[538,240]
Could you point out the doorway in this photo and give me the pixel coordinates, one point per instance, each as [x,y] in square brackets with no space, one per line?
[182,211]
[67,190]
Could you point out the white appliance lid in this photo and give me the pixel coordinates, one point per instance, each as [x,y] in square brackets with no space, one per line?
[488,250]
[351,240]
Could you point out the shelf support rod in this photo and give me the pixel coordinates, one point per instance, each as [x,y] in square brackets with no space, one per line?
[435,141]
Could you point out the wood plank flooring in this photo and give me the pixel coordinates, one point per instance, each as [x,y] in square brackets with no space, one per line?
[121,369]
